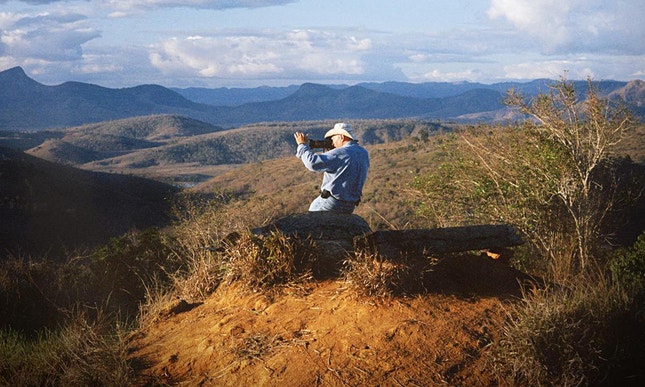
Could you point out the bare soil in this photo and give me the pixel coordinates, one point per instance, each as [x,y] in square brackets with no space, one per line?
[325,333]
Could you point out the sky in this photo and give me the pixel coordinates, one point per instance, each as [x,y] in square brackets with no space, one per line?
[250,43]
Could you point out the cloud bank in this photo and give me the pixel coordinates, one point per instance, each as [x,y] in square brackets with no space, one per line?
[512,40]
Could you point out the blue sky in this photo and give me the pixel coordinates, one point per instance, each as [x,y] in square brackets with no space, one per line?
[247,43]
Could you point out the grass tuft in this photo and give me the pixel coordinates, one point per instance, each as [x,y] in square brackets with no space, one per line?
[85,352]
[583,334]
[261,262]
[373,276]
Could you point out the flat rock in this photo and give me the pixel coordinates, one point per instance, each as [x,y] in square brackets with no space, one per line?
[393,243]
[319,225]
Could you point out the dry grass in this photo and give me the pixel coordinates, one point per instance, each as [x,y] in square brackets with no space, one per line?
[371,275]
[86,351]
[263,262]
[580,334]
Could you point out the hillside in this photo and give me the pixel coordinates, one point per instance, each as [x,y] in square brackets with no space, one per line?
[28,105]
[47,208]
[318,331]
[318,102]
[104,140]
[325,332]
[223,96]
[183,154]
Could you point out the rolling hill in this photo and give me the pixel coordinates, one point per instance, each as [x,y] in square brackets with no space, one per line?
[87,143]
[134,146]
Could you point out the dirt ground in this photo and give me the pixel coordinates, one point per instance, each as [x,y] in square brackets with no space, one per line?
[324,333]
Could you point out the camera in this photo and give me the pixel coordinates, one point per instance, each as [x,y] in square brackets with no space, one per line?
[321,144]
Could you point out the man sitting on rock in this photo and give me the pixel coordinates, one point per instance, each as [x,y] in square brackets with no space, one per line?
[344,169]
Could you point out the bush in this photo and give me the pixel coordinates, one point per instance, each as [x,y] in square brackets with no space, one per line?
[123,268]
[371,275]
[587,334]
[552,176]
[628,266]
[85,352]
[263,262]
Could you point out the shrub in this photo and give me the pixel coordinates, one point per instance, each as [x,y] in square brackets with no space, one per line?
[371,275]
[628,265]
[83,352]
[199,227]
[263,262]
[123,268]
[37,294]
[589,333]
[551,177]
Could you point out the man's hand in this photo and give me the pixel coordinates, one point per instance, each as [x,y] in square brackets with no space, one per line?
[301,138]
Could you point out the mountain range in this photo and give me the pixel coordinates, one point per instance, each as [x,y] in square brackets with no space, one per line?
[26,104]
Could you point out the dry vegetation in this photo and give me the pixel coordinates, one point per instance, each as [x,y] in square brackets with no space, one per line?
[221,306]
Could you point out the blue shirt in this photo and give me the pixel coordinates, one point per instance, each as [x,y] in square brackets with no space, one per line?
[345,169]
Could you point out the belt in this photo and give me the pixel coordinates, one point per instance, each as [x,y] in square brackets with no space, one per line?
[326,194]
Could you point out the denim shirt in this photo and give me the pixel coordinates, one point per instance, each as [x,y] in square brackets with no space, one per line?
[345,169]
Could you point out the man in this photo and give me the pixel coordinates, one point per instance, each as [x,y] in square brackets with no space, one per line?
[344,169]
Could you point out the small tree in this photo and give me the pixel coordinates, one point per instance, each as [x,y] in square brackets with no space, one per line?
[585,131]
[551,176]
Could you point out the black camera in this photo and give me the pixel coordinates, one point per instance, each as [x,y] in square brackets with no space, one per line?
[321,144]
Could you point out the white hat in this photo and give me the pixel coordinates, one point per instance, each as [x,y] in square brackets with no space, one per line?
[341,128]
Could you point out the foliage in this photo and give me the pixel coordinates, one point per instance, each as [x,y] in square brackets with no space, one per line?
[585,334]
[552,179]
[62,323]
[124,266]
[85,351]
[37,294]
[628,265]
[585,132]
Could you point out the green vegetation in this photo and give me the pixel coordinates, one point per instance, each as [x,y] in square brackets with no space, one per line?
[65,323]
[557,177]
[84,352]
[553,177]
[587,333]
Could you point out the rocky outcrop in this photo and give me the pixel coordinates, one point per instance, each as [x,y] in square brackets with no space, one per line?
[339,236]
[423,242]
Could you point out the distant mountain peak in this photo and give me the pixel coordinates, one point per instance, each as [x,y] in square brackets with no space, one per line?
[16,77]
[633,92]
[14,71]
[312,88]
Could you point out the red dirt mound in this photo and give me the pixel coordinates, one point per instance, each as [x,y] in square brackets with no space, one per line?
[323,333]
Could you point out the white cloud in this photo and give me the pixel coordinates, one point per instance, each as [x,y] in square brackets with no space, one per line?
[126,42]
[576,25]
[256,55]
[572,69]
[47,36]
